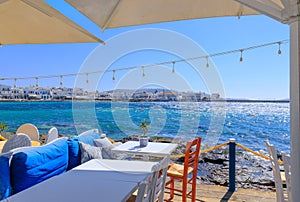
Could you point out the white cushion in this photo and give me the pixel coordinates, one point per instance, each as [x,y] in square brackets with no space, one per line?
[106,150]
[102,142]
[89,152]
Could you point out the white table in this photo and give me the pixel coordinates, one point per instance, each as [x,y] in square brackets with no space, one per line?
[152,149]
[96,180]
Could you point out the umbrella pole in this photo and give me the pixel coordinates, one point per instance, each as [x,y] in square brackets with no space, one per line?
[295,106]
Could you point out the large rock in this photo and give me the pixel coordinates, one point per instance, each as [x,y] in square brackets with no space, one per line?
[251,172]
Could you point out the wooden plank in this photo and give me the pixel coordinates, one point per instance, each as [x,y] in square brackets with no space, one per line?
[211,193]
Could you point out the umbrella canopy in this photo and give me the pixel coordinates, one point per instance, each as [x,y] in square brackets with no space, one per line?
[34,22]
[117,13]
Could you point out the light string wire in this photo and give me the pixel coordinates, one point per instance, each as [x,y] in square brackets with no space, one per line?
[240,50]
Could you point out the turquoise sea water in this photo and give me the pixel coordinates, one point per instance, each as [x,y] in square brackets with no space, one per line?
[249,123]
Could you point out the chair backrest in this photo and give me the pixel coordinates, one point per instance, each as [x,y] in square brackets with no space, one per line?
[52,135]
[89,131]
[19,140]
[160,175]
[191,156]
[153,188]
[287,170]
[276,171]
[30,130]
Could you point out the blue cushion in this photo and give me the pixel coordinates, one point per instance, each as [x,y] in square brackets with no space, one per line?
[89,138]
[38,164]
[74,153]
[5,190]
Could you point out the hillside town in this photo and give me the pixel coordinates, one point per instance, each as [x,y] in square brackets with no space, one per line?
[31,93]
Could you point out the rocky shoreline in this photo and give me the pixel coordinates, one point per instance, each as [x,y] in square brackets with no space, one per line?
[252,172]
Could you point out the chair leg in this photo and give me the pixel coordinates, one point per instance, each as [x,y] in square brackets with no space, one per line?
[184,190]
[194,189]
[172,187]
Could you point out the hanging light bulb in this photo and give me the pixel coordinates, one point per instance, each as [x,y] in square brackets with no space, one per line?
[143,72]
[60,82]
[279,51]
[87,78]
[113,77]
[241,58]
[37,82]
[207,64]
[15,83]
[173,68]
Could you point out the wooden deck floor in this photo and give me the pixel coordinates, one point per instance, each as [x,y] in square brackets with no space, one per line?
[212,193]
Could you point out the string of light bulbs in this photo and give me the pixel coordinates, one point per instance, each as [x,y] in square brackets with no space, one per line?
[173,62]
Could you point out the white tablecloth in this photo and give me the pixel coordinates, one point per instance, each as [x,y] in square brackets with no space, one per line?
[153,148]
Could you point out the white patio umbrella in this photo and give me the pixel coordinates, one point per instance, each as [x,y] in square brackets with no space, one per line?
[118,13]
[36,22]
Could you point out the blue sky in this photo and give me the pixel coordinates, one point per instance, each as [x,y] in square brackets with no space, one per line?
[262,75]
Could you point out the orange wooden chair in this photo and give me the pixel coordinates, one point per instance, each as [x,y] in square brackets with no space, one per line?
[181,172]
